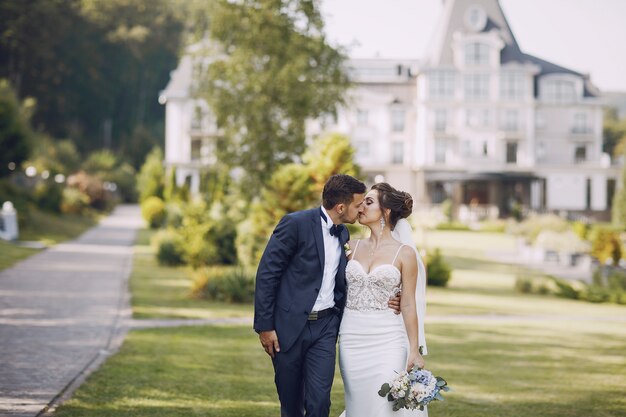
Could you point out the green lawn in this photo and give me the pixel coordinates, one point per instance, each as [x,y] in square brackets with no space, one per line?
[46,228]
[164,292]
[504,354]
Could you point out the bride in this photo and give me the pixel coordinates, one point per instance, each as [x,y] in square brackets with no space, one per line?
[375,343]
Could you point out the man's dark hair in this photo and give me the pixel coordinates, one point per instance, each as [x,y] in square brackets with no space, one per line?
[340,189]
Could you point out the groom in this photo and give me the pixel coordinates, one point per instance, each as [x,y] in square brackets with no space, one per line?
[300,295]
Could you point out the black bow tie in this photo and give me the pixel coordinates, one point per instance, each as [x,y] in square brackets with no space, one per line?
[335,229]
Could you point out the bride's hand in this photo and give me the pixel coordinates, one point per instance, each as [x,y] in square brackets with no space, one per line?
[415,359]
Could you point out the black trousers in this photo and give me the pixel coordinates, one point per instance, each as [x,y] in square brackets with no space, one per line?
[304,374]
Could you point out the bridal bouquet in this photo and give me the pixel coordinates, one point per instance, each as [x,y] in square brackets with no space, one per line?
[414,389]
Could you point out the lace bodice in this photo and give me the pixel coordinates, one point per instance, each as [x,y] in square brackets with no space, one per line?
[371,291]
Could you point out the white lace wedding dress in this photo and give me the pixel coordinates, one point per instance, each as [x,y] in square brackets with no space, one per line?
[373,344]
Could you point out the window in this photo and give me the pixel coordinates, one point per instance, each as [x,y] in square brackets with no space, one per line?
[196,120]
[361,117]
[511,152]
[440,120]
[512,86]
[362,148]
[485,148]
[559,91]
[441,85]
[440,151]
[541,150]
[476,54]
[580,153]
[476,86]
[397,153]
[580,124]
[397,120]
[511,121]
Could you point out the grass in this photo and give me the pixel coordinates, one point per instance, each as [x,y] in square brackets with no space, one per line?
[547,369]
[504,354]
[46,228]
[160,292]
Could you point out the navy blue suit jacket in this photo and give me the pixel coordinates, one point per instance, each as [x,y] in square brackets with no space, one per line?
[290,273]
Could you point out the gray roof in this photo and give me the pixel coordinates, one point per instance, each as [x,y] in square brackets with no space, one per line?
[452,20]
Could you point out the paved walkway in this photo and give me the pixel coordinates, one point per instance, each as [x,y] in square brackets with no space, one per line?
[60,313]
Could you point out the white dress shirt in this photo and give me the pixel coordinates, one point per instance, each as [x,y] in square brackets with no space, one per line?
[332,254]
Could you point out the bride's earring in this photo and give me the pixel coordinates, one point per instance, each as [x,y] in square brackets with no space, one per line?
[382,227]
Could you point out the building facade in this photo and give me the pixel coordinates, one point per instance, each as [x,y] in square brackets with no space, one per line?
[476,121]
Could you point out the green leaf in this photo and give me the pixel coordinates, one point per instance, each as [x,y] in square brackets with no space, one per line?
[446,388]
[439,397]
[441,383]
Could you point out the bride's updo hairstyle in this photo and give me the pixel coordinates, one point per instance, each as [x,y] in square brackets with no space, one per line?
[399,203]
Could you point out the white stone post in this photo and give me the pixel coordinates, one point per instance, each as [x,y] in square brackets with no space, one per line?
[9,217]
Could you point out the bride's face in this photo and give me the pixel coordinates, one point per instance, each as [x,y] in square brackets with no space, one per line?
[370,212]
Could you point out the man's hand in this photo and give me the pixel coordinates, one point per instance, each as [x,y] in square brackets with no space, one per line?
[394,303]
[269,341]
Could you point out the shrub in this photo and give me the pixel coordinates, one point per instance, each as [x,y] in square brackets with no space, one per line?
[565,289]
[606,244]
[234,285]
[151,177]
[580,229]
[617,280]
[524,285]
[168,245]
[48,196]
[74,201]
[437,270]
[92,187]
[597,294]
[153,211]
[452,226]
[493,226]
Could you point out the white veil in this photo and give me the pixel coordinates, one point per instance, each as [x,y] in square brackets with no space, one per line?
[403,232]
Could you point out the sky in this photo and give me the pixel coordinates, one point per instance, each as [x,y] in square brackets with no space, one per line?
[587,36]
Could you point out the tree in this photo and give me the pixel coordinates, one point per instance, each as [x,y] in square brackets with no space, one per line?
[293,187]
[151,178]
[94,67]
[614,133]
[274,70]
[16,137]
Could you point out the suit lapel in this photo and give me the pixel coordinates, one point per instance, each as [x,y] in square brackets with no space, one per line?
[316,225]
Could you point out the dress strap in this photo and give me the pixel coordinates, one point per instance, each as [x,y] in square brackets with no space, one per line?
[355,248]
[397,253]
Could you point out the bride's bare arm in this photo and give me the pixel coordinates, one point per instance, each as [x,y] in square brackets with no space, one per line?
[409,312]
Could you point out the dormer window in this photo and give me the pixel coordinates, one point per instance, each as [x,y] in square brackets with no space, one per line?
[559,91]
[476,54]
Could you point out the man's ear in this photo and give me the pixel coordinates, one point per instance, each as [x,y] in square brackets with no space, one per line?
[340,208]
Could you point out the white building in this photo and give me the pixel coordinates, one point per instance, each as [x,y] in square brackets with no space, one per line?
[476,121]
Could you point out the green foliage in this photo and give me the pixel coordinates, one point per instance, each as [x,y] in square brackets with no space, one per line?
[153,211]
[56,157]
[606,244]
[614,133]
[151,178]
[523,285]
[329,155]
[48,196]
[16,137]
[168,247]
[234,285]
[273,70]
[452,226]
[93,66]
[437,270]
[74,201]
[291,188]
[568,289]
[581,229]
